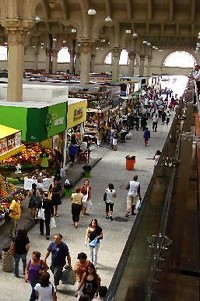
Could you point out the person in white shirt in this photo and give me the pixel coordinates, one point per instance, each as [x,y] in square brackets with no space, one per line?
[133,188]
[44,290]
[109,194]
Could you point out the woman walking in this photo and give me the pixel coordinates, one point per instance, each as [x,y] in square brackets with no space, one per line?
[34,269]
[94,231]
[21,245]
[90,282]
[44,290]
[76,198]
[55,195]
[86,191]
[109,194]
[47,205]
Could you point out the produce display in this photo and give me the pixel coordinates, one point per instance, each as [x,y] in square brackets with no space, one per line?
[29,158]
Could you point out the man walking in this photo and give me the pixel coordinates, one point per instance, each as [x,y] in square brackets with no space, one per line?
[133,188]
[59,251]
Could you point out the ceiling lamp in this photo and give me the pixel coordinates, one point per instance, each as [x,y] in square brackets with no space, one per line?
[73,30]
[148,44]
[108,19]
[128,31]
[92,12]
[134,35]
[145,42]
[37,19]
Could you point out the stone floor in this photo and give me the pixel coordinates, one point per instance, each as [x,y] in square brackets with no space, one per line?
[111,169]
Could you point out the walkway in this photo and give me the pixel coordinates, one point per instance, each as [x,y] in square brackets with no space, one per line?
[110,169]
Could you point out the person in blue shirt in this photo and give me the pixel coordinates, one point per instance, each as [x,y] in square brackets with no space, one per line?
[59,252]
[146,136]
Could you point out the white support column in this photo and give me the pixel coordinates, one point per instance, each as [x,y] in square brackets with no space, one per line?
[85,50]
[115,63]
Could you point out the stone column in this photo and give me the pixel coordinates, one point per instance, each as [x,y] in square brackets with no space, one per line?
[115,63]
[85,49]
[149,65]
[132,56]
[141,68]
[48,60]
[36,53]
[92,64]
[54,57]
[15,64]
[77,62]
[71,64]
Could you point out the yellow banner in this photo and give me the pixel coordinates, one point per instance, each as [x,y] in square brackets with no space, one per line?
[76,113]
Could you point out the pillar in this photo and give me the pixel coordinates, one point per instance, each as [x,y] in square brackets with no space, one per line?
[54,57]
[149,65]
[132,56]
[15,64]
[92,64]
[71,63]
[48,60]
[77,62]
[115,63]
[36,53]
[141,68]
[85,49]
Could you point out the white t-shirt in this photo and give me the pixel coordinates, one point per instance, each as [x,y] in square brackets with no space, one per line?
[110,195]
[45,293]
[133,190]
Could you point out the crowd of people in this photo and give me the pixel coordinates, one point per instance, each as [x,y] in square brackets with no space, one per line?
[36,271]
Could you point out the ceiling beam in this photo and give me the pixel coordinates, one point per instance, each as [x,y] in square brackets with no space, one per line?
[171,10]
[149,10]
[65,9]
[128,9]
[193,10]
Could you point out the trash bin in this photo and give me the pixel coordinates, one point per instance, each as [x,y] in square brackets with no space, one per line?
[130,161]
[7,261]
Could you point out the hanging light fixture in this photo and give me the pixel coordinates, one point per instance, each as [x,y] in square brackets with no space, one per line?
[92,12]
[134,35]
[108,19]
[37,19]
[128,31]
[73,30]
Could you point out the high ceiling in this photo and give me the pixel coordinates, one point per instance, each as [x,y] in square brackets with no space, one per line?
[165,23]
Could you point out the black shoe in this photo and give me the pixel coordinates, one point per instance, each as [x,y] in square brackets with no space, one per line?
[47,238]
[107,216]
[111,218]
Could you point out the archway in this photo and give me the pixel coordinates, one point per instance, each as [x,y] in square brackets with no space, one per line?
[63,55]
[122,61]
[181,59]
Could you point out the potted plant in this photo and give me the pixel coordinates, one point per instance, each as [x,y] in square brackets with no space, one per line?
[68,187]
[87,169]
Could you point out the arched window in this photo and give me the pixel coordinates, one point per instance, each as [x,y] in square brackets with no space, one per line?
[3,53]
[180,59]
[63,55]
[122,61]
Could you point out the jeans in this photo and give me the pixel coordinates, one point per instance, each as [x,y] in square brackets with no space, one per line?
[57,272]
[32,296]
[93,253]
[17,258]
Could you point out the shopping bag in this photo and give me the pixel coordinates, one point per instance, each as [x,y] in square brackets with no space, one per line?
[89,204]
[93,243]
[138,204]
[52,223]
[40,214]
[68,276]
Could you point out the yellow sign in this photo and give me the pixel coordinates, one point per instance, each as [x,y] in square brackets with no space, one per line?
[76,113]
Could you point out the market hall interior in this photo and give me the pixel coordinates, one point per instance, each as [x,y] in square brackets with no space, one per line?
[34,32]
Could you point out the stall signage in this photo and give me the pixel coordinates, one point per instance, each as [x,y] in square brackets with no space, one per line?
[78,113]
[10,142]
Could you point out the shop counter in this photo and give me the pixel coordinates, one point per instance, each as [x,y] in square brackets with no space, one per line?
[44,185]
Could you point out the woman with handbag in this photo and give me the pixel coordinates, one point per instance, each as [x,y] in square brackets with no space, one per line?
[76,198]
[19,249]
[90,282]
[86,191]
[34,270]
[93,234]
[48,213]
